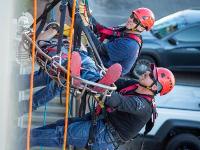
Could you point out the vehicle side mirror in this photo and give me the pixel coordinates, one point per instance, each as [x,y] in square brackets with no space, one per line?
[173,41]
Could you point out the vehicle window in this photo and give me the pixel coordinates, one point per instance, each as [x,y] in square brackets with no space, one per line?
[168,25]
[189,35]
[182,97]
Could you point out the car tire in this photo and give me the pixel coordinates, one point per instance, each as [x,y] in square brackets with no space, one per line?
[142,65]
[184,141]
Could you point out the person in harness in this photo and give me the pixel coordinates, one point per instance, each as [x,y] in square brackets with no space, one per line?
[124,42]
[128,111]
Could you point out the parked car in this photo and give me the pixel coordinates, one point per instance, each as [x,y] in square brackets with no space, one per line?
[174,42]
[177,126]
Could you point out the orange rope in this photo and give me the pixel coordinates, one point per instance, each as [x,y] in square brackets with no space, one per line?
[68,75]
[32,75]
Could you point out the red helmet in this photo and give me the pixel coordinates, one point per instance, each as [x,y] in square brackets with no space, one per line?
[166,78]
[145,16]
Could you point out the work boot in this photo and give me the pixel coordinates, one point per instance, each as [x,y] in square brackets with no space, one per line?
[112,75]
[75,68]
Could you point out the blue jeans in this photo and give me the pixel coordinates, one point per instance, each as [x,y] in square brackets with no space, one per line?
[78,133]
[52,89]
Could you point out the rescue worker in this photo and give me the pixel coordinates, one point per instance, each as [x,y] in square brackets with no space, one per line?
[131,108]
[124,42]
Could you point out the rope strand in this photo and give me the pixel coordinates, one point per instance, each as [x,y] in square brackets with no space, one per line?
[68,75]
[32,75]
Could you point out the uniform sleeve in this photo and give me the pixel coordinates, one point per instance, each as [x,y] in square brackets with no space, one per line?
[125,103]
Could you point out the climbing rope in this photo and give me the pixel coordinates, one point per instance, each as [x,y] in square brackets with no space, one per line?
[32,75]
[68,75]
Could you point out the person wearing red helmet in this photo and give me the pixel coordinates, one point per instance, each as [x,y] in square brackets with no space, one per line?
[123,42]
[145,18]
[128,111]
[163,80]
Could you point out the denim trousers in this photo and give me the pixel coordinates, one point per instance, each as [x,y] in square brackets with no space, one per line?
[78,134]
[51,89]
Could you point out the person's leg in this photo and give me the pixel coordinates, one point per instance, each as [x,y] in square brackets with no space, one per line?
[112,75]
[103,139]
[46,94]
[89,69]
[40,78]
[92,73]
[41,97]
[52,135]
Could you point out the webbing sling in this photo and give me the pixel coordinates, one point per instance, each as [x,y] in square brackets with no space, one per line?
[93,127]
[43,16]
[63,7]
[48,9]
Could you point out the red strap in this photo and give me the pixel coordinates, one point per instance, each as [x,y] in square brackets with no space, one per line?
[135,37]
[129,88]
[49,49]
[132,88]
[106,32]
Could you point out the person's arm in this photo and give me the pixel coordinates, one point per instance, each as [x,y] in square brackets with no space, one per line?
[96,26]
[123,51]
[125,103]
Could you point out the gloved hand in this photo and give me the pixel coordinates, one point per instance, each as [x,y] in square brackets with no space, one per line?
[83,12]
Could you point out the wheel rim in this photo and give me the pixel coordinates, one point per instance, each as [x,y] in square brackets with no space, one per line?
[141,67]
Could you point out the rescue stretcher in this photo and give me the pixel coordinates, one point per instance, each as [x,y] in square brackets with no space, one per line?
[58,73]
[51,65]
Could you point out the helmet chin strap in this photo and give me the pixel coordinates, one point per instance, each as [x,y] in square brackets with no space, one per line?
[135,28]
[149,88]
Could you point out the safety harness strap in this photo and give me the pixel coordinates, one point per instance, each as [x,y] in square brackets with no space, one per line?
[125,91]
[43,16]
[106,32]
